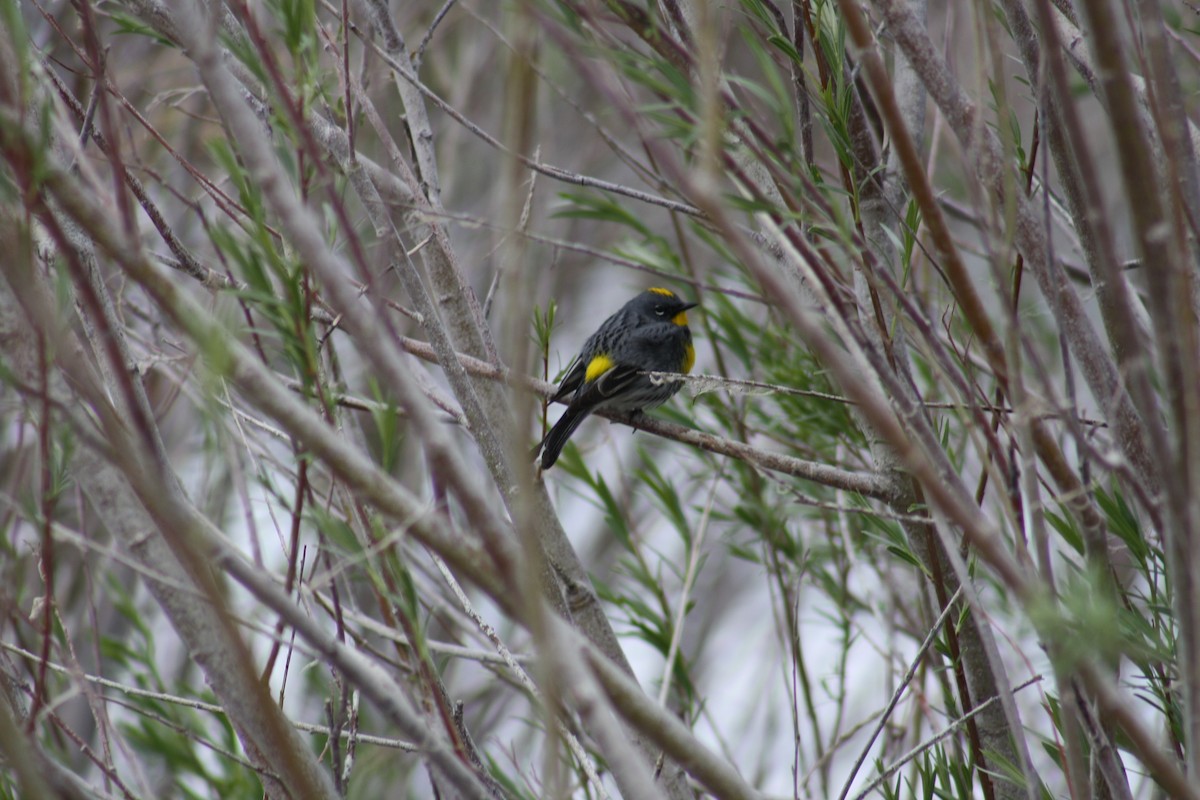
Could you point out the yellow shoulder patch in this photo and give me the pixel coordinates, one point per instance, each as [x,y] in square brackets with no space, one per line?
[662,291]
[598,366]
[689,358]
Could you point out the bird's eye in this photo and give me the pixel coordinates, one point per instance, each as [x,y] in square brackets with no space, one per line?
[659,310]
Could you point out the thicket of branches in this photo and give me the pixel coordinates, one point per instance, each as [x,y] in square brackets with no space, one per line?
[285,287]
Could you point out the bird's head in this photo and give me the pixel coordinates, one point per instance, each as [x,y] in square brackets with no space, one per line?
[661,304]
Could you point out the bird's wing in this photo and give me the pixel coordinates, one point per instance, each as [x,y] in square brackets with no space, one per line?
[571,383]
[615,380]
[609,384]
[598,377]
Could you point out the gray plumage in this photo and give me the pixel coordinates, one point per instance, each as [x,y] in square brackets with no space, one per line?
[648,334]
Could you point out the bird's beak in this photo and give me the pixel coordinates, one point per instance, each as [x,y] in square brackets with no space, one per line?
[688,307]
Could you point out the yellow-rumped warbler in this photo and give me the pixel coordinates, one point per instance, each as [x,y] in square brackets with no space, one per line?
[649,334]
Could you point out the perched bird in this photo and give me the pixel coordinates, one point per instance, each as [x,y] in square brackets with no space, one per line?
[649,334]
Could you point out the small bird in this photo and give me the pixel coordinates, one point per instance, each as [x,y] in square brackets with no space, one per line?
[649,334]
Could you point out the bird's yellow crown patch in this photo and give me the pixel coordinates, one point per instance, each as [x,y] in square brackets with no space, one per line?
[662,291]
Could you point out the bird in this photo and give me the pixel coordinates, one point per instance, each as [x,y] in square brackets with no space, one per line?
[648,334]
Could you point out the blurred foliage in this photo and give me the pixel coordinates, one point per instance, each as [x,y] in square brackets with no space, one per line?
[809,600]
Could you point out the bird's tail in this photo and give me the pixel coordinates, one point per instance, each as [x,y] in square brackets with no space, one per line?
[557,438]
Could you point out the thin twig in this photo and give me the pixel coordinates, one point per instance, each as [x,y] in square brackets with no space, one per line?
[908,676]
[199,705]
[581,756]
[928,743]
[685,591]
[549,170]
[437,20]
